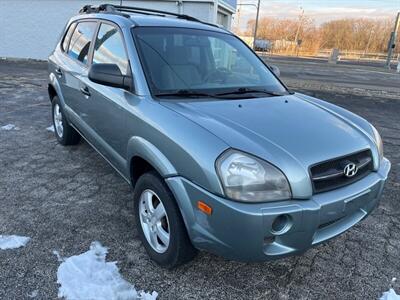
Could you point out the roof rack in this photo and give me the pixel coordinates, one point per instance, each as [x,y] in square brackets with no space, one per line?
[117,9]
[104,8]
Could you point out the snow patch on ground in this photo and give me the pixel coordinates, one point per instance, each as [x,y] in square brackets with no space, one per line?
[89,276]
[34,294]
[12,241]
[59,258]
[50,128]
[9,127]
[391,294]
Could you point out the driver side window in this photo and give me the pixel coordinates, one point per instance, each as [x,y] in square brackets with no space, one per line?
[109,48]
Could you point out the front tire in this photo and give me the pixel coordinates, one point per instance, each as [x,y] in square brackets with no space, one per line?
[65,133]
[159,222]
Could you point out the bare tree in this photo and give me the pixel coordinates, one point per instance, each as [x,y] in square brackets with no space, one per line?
[351,34]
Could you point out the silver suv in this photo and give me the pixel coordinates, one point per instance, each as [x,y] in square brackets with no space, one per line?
[221,155]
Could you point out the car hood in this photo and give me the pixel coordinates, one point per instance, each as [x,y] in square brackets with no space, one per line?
[289,131]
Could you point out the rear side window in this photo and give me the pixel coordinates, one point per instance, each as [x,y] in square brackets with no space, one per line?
[80,41]
[109,48]
[67,37]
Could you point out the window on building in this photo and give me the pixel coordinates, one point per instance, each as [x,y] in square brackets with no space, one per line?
[222,19]
[109,48]
[80,41]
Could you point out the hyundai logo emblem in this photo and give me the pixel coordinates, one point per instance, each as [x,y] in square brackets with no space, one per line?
[350,170]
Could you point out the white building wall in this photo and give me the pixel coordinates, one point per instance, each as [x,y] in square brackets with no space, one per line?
[31,28]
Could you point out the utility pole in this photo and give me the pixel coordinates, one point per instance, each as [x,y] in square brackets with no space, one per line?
[299,26]
[256,25]
[392,40]
[238,21]
[296,38]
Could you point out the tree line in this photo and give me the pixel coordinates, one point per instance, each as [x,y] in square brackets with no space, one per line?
[351,34]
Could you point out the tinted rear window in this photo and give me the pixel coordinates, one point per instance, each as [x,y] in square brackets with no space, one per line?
[80,41]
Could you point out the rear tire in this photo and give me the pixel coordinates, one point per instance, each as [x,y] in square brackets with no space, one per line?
[65,133]
[152,197]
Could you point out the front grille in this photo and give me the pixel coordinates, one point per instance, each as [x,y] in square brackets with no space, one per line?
[330,175]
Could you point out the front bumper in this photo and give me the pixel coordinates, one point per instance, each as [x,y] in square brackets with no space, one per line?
[242,231]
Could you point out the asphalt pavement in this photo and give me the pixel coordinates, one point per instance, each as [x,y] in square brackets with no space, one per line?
[66,197]
[344,74]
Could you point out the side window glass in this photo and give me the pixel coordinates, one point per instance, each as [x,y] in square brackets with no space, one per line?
[109,48]
[67,37]
[80,41]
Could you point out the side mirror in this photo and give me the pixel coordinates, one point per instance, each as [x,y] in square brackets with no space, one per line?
[110,75]
[276,70]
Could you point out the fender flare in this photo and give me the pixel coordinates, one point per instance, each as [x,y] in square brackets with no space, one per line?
[138,146]
[56,85]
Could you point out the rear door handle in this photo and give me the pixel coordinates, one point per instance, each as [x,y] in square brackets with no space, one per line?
[58,72]
[85,91]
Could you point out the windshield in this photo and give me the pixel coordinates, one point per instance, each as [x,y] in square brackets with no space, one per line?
[181,61]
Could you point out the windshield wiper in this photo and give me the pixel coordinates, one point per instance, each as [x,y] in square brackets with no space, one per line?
[241,91]
[185,93]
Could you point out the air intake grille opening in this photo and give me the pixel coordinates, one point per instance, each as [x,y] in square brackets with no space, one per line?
[330,174]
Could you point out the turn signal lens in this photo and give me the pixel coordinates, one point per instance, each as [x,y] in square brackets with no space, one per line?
[204,207]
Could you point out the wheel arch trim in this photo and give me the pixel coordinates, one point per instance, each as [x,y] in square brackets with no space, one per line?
[138,146]
[53,82]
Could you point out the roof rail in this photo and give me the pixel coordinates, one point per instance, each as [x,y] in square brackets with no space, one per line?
[104,8]
[89,9]
[153,12]
[110,8]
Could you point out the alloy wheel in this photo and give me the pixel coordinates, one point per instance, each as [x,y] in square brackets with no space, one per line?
[154,221]
[58,123]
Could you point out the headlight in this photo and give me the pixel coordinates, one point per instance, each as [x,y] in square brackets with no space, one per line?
[378,142]
[247,178]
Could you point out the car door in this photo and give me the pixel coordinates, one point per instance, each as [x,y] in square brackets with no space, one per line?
[59,61]
[106,104]
[78,54]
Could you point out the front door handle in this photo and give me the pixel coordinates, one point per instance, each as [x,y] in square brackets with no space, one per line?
[58,71]
[85,91]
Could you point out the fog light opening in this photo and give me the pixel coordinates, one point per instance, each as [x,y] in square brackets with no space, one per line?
[281,224]
[269,240]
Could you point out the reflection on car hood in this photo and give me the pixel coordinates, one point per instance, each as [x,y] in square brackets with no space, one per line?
[276,128]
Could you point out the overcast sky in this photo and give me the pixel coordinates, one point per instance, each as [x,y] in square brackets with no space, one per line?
[320,11]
